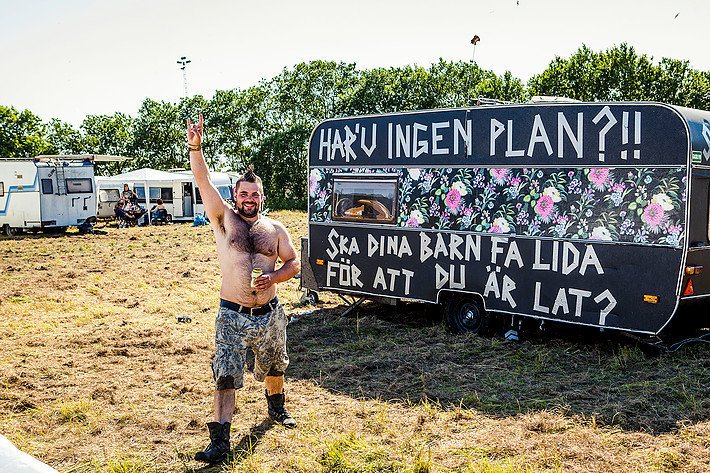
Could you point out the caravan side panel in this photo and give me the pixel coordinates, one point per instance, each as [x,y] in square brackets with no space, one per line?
[574,212]
[19,199]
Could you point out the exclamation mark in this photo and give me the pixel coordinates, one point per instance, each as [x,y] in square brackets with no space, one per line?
[625,133]
[637,134]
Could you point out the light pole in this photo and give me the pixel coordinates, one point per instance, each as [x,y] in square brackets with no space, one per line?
[184,62]
[474,40]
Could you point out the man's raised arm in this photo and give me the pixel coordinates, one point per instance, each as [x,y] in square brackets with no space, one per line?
[214,205]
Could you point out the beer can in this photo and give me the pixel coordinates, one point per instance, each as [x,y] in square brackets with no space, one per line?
[255,273]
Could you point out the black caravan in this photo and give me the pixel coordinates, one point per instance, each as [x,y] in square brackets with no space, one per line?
[588,213]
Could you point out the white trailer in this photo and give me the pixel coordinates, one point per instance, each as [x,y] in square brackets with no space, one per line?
[178,190]
[47,192]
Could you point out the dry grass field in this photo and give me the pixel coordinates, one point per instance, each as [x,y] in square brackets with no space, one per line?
[98,375]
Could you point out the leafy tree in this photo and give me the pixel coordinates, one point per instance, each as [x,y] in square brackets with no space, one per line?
[21,134]
[311,92]
[236,124]
[696,90]
[62,138]
[112,135]
[619,74]
[281,163]
[159,137]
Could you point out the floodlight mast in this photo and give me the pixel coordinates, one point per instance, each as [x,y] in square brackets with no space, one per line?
[184,62]
[474,40]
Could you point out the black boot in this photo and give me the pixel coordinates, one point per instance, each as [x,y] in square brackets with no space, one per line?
[218,449]
[277,411]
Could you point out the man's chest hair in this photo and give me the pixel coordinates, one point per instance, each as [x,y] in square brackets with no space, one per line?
[260,237]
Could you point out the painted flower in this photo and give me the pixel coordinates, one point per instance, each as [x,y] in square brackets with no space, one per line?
[663,200]
[461,187]
[416,217]
[553,193]
[313,180]
[544,207]
[499,175]
[453,199]
[673,239]
[598,177]
[500,225]
[653,215]
[414,173]
[600,233]
[522,218]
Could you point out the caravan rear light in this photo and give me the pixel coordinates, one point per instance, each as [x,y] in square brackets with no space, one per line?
[688,288]
[650,298]
[320,262]
[694,269]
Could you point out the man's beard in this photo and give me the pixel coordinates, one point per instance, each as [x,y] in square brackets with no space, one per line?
[246,214]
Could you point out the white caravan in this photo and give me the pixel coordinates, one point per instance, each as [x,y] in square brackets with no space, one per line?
[47,192]
[178,190]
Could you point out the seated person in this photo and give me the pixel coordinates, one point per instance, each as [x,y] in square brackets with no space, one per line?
[122,214]
[128,195]
[136,212]
[159,213]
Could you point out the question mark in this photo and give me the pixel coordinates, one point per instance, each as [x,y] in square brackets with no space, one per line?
[606,111]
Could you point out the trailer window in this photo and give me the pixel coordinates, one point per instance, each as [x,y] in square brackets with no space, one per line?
[364,199]
[2,189]
[165,193]
[224,191]
[109,195]
[79,186]
[47,187]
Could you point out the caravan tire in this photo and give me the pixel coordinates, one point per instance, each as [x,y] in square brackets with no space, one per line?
[465,313]
[9,231]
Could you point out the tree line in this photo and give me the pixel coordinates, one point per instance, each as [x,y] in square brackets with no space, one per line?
[269,124]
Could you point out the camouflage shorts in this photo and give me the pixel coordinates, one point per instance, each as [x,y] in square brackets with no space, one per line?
[235,332]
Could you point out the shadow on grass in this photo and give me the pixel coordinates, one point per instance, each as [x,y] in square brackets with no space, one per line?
[405,354]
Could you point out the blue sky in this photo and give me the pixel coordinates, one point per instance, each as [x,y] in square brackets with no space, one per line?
[70,58]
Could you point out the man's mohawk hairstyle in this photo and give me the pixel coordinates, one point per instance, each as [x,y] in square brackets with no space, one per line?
[250,176]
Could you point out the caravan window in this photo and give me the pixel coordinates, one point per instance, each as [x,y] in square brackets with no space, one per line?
[224,191]
[47,186]
[365,199]
[2,189]
[109,195]
[165,193]
[79,186]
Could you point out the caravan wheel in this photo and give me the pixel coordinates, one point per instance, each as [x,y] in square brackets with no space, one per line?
[9,231]
[465,313]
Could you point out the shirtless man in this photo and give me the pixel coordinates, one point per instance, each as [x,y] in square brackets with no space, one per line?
[249,314]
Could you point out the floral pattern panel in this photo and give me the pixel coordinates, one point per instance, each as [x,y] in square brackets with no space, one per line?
[645,205]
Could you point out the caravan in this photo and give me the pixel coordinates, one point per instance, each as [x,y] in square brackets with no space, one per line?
[47,192]
[178,190]
[593,214]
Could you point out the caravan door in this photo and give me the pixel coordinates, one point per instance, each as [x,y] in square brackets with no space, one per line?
[80,193]
[53,199]
[67,195]
[187,199]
